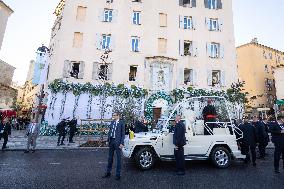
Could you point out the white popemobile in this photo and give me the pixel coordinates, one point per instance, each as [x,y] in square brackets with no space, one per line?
[220,147]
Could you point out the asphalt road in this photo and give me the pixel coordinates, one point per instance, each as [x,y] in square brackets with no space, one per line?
[83,169]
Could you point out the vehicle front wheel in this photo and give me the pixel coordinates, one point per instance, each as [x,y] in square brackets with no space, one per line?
[145,158]
[220,157]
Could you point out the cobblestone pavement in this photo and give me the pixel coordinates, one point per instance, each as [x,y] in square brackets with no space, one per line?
[18,141]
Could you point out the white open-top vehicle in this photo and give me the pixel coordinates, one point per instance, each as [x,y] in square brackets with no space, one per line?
[220,146]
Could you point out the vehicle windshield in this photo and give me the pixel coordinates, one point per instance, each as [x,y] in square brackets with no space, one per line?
[191,109]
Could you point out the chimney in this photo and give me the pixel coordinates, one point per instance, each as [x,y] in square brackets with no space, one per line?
[254,40]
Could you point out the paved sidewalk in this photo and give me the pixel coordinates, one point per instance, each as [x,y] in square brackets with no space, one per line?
[18,141]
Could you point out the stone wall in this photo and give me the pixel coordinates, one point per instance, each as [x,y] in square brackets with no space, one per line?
[7,96]
[7,72]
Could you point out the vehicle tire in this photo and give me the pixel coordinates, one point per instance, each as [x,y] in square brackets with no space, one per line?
[221,157]
[145,158]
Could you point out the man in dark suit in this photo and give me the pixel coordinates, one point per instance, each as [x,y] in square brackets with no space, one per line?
[116,137]
[249,140]
[140,126]
[5,131]
[261,135]
[73,129]
[277,132]
[61,129]
[179,141]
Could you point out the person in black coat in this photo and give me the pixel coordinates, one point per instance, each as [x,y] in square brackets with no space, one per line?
[61,129]
[262,136]
[249,141]
[209,115]
[139,126]
[179,141]
[73,129]
[277,132]
[5,131]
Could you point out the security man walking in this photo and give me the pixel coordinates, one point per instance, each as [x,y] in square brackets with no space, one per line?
[179,141]
[261,135]
[277,132]
[249,141]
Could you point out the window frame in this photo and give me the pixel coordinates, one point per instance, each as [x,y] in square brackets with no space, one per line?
[214,50]
[136,19]
[135,41]
[108,15]
[106,40]
[187,22]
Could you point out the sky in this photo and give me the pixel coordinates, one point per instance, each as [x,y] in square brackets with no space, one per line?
[30,26]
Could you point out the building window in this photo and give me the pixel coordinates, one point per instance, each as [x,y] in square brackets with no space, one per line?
[162,45]
[163,19]
[81,13]
[187,48]
[270,55]
[78,40]
[136,18]
[108,15]
[216,77]
[135,44]
[213,24]
[74,69]
[213,50]
[213,4]
[266,68]
[187,3]
[103,72]
[133,73]
[264,54]
[106,42]
[188,76]
[187,22]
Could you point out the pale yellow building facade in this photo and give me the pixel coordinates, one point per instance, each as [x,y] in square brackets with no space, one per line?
[279,81]
[154,44]
[256,64]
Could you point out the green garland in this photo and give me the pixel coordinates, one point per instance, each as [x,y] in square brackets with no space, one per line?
[150,101]
[109,89]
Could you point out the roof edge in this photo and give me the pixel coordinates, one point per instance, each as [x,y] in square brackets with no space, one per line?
[7,6]
[260,45]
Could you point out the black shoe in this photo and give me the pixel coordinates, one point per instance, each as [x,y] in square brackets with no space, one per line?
[254,164]
[58,144]
[26,151]
[71,142]
[62,143]
[117,178]
[107,175]
[276,171]
[33,151]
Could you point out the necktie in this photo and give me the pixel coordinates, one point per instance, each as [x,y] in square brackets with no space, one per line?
[114,128]
[32,128]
